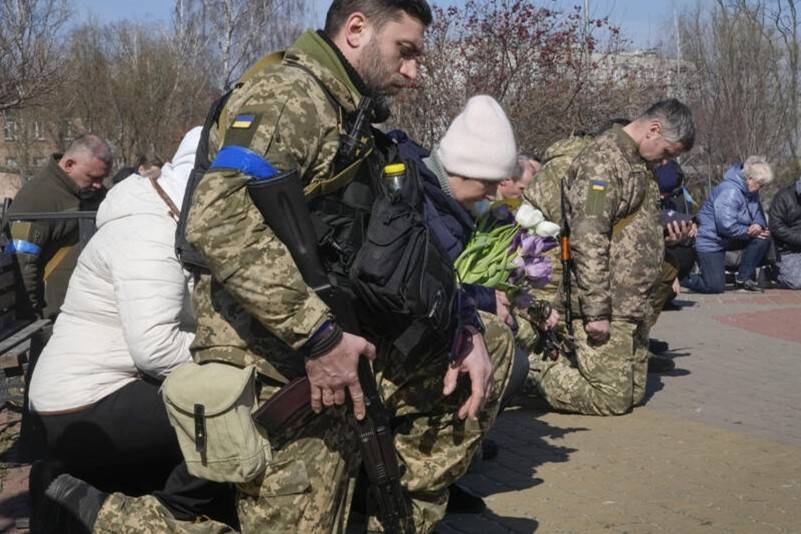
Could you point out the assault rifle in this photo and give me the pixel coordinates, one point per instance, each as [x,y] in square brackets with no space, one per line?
[350,139]
[551,343]
[281,201]
[567,262]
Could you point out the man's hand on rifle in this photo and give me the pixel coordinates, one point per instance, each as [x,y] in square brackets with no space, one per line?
[551,321]
[331,373]
[598,331]
[478,366]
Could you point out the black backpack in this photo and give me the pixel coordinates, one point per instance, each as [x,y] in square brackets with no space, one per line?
[405,283]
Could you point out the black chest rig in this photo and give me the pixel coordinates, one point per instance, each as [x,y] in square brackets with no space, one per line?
[340,218]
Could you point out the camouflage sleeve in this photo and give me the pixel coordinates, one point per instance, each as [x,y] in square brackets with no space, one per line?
[244,255]
[594,199]
[28,241]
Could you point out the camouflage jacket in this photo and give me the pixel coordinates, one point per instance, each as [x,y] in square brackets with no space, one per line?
[255,308]
[616,239]
[545,190]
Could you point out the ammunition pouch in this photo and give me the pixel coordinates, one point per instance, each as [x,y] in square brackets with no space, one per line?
[210,407]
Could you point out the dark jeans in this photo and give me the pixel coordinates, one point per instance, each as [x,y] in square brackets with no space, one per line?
[125,443]
[682,257]
[713,266]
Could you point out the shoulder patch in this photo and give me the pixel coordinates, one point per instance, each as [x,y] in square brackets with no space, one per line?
[596,197]
[243,121]
[242,129]
[598,185]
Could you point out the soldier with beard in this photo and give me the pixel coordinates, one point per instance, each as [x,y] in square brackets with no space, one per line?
[46,251]
[254,309]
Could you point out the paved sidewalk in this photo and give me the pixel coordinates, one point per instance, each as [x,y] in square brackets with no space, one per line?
[716,448]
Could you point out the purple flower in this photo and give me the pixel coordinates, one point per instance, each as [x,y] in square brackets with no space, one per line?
[516,240]
[502,212]
[548,243]
[538,271]
[531,246]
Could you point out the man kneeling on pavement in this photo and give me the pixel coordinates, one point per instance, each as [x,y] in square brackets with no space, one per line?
[612,209]
[255,310]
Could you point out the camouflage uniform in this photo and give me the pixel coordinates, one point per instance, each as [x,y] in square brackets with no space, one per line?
[617,246]
[256,310]
[545,193]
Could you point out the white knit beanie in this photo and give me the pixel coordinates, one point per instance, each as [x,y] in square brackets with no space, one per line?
[479,142]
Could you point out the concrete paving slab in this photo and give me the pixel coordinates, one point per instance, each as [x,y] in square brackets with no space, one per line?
[715,449]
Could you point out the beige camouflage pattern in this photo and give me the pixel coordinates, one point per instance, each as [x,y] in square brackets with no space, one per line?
[617,246]
[545,193]
[608,378]
[256,309]
[258,304]
[121,514]
[308,485]
[434,446]
[617,242]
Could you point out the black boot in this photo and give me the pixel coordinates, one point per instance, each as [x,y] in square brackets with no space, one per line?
[69,506]
[660,364]
[42,474]
[657,347]
[461,501]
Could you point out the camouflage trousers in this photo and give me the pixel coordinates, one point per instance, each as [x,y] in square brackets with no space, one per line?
[607,378]
[308,486]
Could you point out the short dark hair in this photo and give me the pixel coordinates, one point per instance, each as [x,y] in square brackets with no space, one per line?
[378,11]
[147,162]
[677,119]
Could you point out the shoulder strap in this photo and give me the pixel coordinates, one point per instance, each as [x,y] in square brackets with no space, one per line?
[189,257]
[55,261]
[620,225]
[346,175]
[166,198]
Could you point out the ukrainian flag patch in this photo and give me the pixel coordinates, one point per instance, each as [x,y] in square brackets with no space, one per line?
[243,121]
[598,185]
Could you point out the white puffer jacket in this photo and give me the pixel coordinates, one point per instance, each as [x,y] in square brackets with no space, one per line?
[128,307]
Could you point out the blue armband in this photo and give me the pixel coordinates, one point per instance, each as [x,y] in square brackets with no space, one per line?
[245,161]
[20,246]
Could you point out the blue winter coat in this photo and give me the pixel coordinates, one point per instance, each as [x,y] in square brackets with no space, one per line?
[450,223]
[727,213]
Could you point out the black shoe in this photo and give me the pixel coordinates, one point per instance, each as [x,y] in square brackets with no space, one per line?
[461,501]
[42,474]
[658,364]
[671,306]
[748,285]
[489,449]
[69,506]
[657,347]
